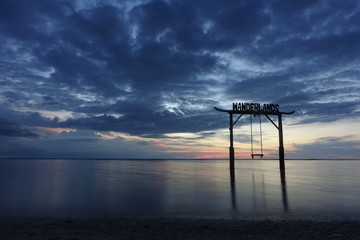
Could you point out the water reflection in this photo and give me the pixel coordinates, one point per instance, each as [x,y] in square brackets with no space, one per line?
[263,189]
[254,191]
[233,188]
[259,193]
[284,191]
[178,188]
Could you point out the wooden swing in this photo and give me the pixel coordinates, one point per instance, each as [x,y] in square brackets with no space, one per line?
[252,144]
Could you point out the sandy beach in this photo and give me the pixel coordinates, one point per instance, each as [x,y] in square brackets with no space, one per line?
[175,228]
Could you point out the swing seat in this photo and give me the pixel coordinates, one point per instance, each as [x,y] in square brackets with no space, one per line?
[256,154]
[261,142]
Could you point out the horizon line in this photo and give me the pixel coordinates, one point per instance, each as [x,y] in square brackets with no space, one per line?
[97,158]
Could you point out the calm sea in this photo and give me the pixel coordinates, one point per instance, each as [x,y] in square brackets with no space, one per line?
[182,188]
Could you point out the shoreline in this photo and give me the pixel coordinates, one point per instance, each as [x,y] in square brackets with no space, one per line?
[175,228]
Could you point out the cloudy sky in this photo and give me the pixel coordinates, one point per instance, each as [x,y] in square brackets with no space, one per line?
[140,78]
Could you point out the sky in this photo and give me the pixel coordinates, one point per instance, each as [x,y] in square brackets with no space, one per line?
[140,78]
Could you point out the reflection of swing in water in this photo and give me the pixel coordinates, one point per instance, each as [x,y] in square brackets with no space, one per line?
[252,144]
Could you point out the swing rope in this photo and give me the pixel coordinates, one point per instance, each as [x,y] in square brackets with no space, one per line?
[261,142]
[251,136]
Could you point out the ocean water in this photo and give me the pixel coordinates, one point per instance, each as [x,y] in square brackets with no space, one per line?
[181,188]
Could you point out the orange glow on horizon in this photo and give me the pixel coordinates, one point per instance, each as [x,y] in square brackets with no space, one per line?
[55,131]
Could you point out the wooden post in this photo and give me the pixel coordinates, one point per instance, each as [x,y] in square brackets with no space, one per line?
[281,145]
[231,148]
[233,189]
[249,108]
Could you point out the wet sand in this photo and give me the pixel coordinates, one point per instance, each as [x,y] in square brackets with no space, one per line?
[175,228]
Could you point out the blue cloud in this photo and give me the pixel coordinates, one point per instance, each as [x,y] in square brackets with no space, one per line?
[159,67]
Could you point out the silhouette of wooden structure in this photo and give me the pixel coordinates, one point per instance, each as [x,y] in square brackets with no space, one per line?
[256,109]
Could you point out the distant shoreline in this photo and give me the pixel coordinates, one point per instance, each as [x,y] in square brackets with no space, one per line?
[175,228]
[183,159]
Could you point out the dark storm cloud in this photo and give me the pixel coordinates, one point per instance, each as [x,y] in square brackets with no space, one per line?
[34,119]
[160,66]
[147,123]
[10,129]
[185,23]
